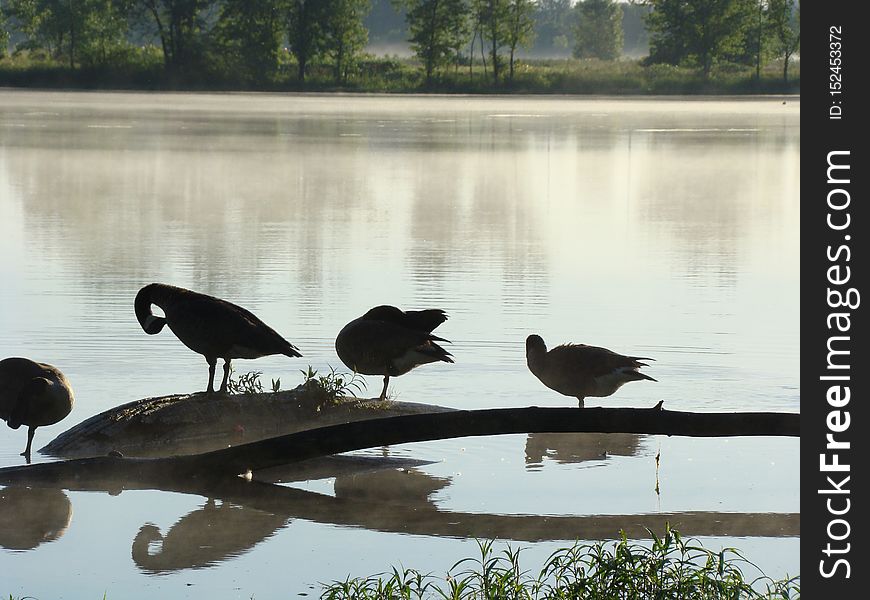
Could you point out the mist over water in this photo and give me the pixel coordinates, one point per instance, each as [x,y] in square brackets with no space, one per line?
[655,227]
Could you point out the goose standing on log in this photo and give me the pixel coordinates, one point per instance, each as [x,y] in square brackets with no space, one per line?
[579,370]
[390,342]
[210,326]
[32,394]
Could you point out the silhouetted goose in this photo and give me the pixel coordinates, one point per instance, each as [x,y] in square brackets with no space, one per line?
[387,341]
[210,326]
[579,370]
[32,394]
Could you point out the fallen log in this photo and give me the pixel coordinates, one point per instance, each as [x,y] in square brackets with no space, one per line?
[196,423]
[358,435]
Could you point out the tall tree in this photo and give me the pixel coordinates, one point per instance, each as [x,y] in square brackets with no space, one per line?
[346,36]
[180,24]
[698,31]
[78,31]
[553,25]
[437,28]
[598,33]
[634,31]
[520,27]
[105,32]
[305,24]
[493,28]
[54,25]
[785,26]
[248,37]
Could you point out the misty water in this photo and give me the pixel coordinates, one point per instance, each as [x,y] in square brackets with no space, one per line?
[658,227]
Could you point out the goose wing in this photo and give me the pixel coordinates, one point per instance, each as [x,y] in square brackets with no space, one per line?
[371,347]
[417,320]
[221,328]
[591,361]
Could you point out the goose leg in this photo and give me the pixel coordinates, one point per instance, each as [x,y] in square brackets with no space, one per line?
[386,383]
[580,402]
[212,363]
[30,431]
[226,376]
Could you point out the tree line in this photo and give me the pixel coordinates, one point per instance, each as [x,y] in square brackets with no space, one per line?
[255,40]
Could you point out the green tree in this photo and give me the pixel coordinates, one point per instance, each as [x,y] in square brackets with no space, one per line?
[104,35]
[305,24]
[635,34]
[493,17]
[53,25]
[438,28]
[346,36]
[786,30]
[552,25]
[598,33]
[248,37]
[700,32]
[78,31]
[520,27]
[181,26]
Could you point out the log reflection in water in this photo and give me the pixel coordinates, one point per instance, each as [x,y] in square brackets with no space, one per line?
[393,500]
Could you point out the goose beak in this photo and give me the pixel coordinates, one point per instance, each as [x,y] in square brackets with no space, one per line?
[153,324]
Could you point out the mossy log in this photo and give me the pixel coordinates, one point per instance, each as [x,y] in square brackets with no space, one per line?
[196,423]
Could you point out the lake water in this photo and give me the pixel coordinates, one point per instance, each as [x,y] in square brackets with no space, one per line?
[655,227]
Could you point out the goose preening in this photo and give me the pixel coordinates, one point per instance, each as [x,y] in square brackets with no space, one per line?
[579,370]
[32,394]
[210,326]
[390,342]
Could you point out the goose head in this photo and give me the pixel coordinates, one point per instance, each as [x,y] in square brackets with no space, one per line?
[535,345]
[150,322]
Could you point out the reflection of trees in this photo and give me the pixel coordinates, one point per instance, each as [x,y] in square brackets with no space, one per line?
[578,447]
[707,212]
[126,194]
[204,537]
[30,516]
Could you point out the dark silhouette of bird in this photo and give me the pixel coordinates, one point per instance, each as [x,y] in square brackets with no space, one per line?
[390,342]
[579,370]
[210,326]
[33,394]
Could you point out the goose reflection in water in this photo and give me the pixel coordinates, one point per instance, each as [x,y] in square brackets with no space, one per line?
[204,537]
[569,448]
[30,516]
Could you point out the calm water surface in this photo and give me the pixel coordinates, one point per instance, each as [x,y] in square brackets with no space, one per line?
[657,227]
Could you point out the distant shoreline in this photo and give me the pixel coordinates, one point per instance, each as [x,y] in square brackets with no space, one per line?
[389,76]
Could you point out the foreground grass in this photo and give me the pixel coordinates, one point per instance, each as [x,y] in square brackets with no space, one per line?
[404,75]
[671,568]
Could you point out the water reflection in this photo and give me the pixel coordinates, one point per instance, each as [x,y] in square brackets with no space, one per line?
[237,515]
[409,488]
[577,448]
[30,516]
[204,537]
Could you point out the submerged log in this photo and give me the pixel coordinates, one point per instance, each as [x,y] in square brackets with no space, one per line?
[358,435]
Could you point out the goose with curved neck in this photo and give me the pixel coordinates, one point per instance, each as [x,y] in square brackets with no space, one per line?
[209,326]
